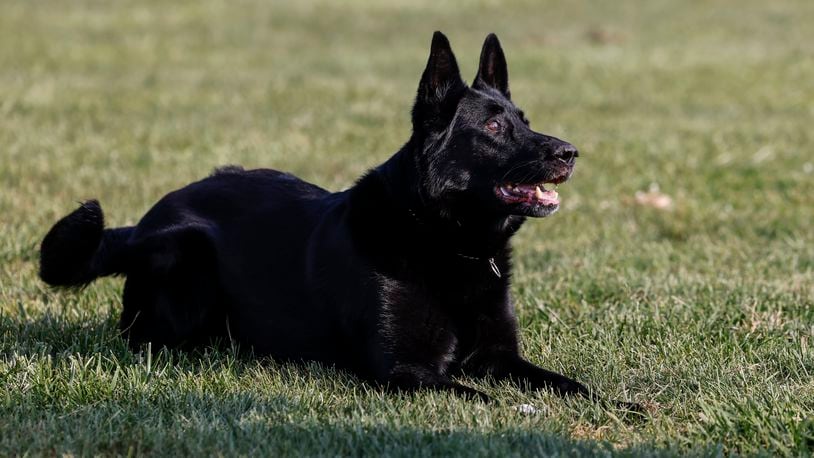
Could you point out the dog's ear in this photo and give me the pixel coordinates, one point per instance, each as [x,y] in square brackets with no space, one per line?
[440,89]
[492,70]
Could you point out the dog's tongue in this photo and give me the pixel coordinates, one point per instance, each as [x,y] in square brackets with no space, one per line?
[540,195]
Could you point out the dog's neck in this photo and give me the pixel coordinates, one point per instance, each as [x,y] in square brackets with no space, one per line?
[471,235]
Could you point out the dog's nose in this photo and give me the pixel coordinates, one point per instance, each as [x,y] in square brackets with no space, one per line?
[566,153]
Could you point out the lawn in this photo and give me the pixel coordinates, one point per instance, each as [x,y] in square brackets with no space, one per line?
[678,274]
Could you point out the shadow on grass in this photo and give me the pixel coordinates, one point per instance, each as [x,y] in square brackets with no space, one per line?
[52,334]
[83,411]
[259,425]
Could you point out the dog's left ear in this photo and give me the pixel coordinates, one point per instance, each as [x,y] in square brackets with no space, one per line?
[492,71]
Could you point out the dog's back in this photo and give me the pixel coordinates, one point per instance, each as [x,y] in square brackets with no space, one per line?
[240,243]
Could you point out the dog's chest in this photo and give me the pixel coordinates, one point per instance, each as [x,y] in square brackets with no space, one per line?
[466,281]
[441,302]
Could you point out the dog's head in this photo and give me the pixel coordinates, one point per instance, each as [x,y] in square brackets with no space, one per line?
[477,152]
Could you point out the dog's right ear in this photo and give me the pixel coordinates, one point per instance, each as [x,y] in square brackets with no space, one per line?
[492,70]
[440,89]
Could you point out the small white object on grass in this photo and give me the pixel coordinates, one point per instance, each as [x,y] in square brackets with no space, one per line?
[526,409]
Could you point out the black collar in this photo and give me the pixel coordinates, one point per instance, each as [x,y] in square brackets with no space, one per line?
[490,259]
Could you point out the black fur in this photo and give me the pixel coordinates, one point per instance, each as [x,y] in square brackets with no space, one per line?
[78,249]
[403,279]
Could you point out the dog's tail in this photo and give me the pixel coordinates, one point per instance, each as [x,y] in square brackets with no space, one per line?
[78,249]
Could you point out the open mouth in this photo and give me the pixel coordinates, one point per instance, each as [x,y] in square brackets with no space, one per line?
[544,194]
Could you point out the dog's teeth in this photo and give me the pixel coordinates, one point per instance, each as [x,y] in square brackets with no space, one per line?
[538,193]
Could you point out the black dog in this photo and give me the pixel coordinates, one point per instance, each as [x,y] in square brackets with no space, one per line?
[403,279]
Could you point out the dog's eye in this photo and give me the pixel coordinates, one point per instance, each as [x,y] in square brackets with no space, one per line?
[494,126]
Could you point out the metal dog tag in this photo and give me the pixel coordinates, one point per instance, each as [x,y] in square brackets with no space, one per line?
[494,267]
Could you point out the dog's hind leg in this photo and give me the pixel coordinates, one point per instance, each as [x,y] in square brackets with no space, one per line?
[172,295]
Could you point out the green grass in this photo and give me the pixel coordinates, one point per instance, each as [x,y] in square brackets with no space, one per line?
[704,313]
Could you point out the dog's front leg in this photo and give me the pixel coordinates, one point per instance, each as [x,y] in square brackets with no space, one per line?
[509,365]
[412,377]
[513,367]
[420,343]
[497,354]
